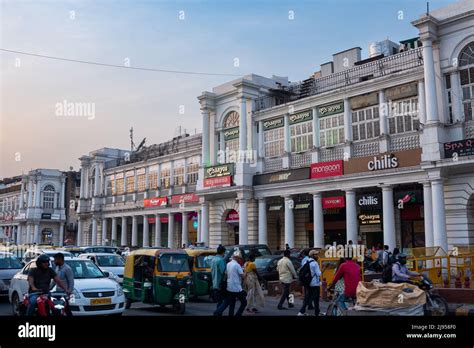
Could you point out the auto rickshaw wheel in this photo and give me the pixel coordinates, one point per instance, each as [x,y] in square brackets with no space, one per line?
[128,303]
[180,308]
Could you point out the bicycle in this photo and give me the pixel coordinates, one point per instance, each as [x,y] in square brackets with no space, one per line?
[335,309]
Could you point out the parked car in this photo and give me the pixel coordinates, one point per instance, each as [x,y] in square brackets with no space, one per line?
[33,253]
[100,249]
[94,292]
[111,264]
[267,267]
[9,266]
[246,250]
[295,252]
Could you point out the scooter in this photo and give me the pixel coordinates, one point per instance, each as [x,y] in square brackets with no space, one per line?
[46,305]
[435,304]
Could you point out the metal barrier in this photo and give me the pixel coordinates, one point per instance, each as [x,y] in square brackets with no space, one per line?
[461,259]
[432,261]
[328,268]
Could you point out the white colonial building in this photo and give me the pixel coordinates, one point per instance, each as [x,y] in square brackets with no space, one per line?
[136,197]
[32,207]
[378,150]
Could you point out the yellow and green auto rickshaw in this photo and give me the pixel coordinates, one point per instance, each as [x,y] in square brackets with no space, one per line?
[201,270]
[157,276]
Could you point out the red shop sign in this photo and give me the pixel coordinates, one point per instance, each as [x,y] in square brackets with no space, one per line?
[218,181]
[233,216]
[156,202]
[325,169]
[334,202]
[186,198]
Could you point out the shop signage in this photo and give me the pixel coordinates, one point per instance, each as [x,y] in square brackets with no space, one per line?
[156,202]
[232,217]
[285,176]
[186,198]
[383,162]
[408,158]
[119,176]
[232,133]
[218,171]
[275,123]
[20,216]
[302,205]
[369,219]
[330,109]
[334,202]
[274,207]
[325,169]
[461,148]
[400,92]
[55,217]
[130,173]
[140,171]
[407,197]
[301,117]
[218,181]
[369,201]
[46,216]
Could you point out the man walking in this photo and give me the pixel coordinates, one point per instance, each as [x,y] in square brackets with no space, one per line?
[217,271]
[235,276]
[286,273]
[312,289]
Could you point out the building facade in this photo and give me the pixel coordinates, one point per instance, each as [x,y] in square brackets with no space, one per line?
[141,198]
[377,151]
[32,207]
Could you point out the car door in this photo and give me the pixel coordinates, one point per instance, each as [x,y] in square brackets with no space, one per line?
[22,278]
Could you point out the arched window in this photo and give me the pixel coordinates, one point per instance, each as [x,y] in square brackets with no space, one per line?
[466,72]
[231,131]
[48,197]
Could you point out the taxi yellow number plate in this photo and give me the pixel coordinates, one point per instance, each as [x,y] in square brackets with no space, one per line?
[101,301]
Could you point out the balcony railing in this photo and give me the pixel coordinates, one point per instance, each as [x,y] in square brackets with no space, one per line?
[469,129]
[299,160]
[331,154]
[405,141]
[392,64]
[272,164]
[365,148]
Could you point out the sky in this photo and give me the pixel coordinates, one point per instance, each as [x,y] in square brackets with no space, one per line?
[38,128]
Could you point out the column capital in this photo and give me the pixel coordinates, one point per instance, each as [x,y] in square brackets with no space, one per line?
[350,190]
[386,187]
[425,183]
[287,197]
[438,181]
[317,194]
[262,199]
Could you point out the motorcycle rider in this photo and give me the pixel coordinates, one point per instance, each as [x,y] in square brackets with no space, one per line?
[39,280]
[400,272]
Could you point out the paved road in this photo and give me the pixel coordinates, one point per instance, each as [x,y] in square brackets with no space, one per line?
[201,307]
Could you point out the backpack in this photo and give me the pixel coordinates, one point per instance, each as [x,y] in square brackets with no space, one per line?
[304,275]
[387,272]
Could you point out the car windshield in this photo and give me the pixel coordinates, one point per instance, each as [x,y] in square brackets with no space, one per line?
[264,251]
[110,261]
[262,263]
[173,263]
[9,262]
[203,260]
[84,269]
[101,250]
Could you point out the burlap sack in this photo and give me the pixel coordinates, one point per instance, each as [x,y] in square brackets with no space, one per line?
[389,295]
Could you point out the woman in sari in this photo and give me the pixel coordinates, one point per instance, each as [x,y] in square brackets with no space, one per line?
[255,297]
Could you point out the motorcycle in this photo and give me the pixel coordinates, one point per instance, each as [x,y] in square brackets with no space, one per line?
[46,305]
[435,304]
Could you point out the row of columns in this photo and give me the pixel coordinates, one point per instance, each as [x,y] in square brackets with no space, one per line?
[146,229]
[31,235]
[434,217]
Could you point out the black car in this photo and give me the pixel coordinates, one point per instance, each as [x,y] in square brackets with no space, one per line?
[267,267]
[246,250]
